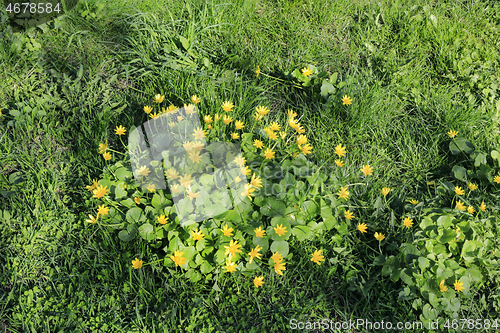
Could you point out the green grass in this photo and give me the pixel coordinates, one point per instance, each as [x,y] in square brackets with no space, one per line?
[64,90]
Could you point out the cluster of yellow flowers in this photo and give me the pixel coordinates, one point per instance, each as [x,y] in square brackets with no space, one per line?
[461,206]
[459,286]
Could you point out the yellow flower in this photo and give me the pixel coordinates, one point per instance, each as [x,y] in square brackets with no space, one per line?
[159,98]
[193,195]
[348,215]
[227,106]
[262,110]
[470,209]
[496,179]
[239,124]
[199,134]
[178,258]
[172,107]
[209,126]
[172,174]
[144,171]
[235,136]
[273,136]
[136,263]
[283,135]
[293,123]
[413,201]
[362,227]
[92,219]
[259,232]
[107,156]
[217,117]
[472,186]
[346,100]
[343,193]
[258,281]
[269,154]
[179,118]
[459,191]
[339,163]
[208,119]
[299,129]
[367,170]
[148,109]
[291,114]
[301,139]
[255,253]
[120,130]
[258,116]
[317,257]
[198,235]
[103,147]
[280,230]
[151,187]
[306,71]
[230,266]
[452,133]
[227,120]
[459,285]
[379,237]
[195,99]
[279,267]
[237,179]
[340,151]
[175,188]
[385,191]
[483,206]
[93,186]
[257,71]
[442,287]
[247,192]
[277,257]
[245,171]
[102,210]
[460,205]
[137,200]
[408,222]
[258,143]
[306,149]
[227,232]
[275,126]
[100,191]
[186,180]
[162,219]
[256,181]
[240,160]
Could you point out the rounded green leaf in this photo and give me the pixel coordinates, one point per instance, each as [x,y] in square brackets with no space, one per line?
[281,247]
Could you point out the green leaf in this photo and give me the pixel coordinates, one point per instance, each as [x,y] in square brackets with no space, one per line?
[273,207]
[206,267]
[193,275]
[423,263]
[135,215]
[447,236]
[129,234]
[429,313]
[281,247]
[327,89]
[232,216]
[184,42]
[302,232]
[459,173]
[123,173]
[494,153]
[310,208]
[461,144]
[147,232]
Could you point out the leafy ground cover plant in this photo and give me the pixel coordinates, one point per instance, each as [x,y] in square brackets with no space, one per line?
[235,211]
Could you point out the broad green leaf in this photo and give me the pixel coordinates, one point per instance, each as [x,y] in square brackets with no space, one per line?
[147,232]
[123,173]
[129,234]
[135,215]
[447,236]
[429,313]
[330,222]
[459,145]
[281,247]
[302,232]
[459,173]
[273,207]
